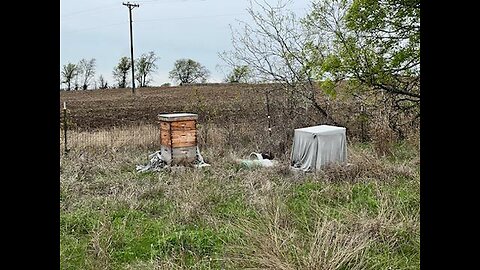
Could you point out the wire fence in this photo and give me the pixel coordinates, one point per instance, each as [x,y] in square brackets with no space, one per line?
[241,137]
[224,132]
[136,136]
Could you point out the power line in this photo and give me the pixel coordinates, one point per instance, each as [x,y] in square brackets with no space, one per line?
[156,20]
[103,8]
[192,17]
[115,6]
[202,17]
[94,28]
[150,2]
[168,19]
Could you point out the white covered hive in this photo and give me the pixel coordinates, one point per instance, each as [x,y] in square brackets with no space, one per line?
[317,146]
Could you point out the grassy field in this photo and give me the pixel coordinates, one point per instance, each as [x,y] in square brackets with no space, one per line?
[362,216]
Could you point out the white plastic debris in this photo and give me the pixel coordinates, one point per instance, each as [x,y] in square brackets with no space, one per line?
[199,162]
[156,162]
[256,159]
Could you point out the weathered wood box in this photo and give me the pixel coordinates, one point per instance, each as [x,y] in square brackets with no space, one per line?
[178,137]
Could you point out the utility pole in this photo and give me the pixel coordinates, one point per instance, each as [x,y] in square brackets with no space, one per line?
[130,7]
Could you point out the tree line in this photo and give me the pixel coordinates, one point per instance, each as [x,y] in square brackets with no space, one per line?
[80,76]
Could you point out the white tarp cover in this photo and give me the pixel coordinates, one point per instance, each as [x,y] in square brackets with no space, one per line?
[314,147]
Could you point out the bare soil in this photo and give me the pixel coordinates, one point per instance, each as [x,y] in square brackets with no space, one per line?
[119,107]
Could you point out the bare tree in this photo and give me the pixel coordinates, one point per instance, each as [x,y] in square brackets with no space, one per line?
[275,48]
[86,71]
[103,83]
[189,71]
[69,72]
[145,66]
[121,70]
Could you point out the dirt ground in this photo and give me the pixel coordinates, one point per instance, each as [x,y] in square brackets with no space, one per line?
[119,107]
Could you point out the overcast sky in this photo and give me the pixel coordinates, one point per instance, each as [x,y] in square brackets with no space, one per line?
[173,29]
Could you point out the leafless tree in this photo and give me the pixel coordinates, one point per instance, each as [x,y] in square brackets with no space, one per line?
[103,83]
[275,47]
[86,71]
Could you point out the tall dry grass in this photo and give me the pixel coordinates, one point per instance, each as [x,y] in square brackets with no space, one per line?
[267,218]
[274,243]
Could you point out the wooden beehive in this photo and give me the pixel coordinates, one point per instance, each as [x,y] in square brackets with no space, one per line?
[178,137]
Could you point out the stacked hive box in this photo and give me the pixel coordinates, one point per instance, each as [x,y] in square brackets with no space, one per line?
[178,138]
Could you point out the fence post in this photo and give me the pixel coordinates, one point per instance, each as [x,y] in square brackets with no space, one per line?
[267,101]
[363,119]
[65,127]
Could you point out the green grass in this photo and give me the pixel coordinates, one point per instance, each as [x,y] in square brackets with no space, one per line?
[234,207]
[231,217]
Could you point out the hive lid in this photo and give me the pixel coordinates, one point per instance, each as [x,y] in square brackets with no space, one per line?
[322,129]
[177,116]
